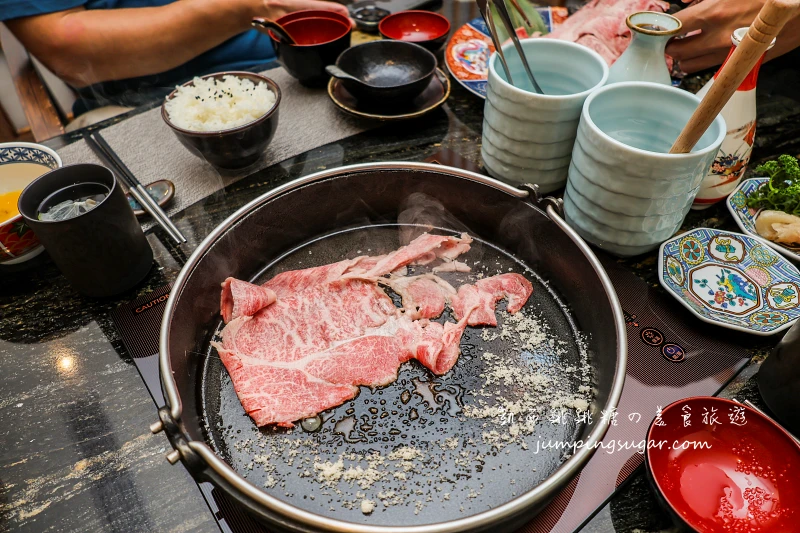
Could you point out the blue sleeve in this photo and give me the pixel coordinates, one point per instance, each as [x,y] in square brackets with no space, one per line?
[11,9]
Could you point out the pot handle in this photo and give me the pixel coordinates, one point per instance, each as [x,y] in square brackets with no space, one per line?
[181,451]
[550,204]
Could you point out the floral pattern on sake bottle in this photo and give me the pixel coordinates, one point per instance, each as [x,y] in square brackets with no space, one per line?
[644,58]
[734,153]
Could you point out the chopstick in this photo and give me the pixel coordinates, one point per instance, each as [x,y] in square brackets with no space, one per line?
[486,12]
[101,148]
[506,19]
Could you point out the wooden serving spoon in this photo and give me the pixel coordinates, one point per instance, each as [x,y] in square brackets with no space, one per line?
[767,25]
[265,25]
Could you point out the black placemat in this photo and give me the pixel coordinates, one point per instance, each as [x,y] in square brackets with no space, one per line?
[671,356]
[138,324]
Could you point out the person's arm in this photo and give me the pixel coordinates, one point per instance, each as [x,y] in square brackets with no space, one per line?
[88,46]
[716,20]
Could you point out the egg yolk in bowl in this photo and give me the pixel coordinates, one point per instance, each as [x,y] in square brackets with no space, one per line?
[14,177]
[8,205]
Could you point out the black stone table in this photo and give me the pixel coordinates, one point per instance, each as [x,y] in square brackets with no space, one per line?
[75,450]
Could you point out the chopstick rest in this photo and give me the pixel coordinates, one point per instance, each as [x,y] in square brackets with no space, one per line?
[109,157]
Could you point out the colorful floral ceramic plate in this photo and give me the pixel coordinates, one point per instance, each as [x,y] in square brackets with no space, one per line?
[732,280]
[745,217]
[467,53]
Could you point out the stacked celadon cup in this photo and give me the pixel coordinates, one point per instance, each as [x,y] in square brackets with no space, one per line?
[528,137]
[626,193]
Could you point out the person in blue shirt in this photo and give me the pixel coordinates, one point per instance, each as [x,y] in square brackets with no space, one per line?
[127,52]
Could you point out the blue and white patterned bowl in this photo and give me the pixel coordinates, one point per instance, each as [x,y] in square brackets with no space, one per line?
[745,217]
[731,280]
[18,243]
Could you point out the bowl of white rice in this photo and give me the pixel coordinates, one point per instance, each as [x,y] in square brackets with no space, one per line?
[227,118]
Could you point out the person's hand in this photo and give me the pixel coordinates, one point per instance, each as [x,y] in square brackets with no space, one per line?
[274,9]
[710,24]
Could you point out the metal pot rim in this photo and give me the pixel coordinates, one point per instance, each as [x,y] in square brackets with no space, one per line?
[568,468]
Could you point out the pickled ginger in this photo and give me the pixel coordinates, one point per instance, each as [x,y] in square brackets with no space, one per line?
[778,226]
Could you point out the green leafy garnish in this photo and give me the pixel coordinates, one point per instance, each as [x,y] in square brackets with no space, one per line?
[537,23]
[782,191]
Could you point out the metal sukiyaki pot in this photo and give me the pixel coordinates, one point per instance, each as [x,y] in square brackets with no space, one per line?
[473,449]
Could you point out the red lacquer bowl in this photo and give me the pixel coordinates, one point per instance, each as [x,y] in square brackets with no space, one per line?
[730,469]
[314,31]
[424,28]
[313,13]
[320,36]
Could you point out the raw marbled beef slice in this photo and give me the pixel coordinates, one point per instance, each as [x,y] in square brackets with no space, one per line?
[484,295]
[240,298]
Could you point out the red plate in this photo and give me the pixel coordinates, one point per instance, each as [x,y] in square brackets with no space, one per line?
[723,467]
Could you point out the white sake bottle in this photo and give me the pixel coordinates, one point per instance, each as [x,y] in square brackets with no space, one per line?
[643,59]
[734,153]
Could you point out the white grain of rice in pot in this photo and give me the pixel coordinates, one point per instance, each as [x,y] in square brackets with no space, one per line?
[214,105]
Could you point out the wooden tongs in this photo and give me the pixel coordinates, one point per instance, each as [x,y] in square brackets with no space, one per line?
[500,5]
[767,25]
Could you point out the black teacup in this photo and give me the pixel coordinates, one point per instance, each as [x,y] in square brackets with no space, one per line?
[101,252]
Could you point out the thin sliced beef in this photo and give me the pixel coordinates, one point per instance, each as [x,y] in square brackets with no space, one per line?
[451,341]
[294,281]
[452,266]
[423,250]
[513,287]
[481,302]
[332,328]
[240,298]
[273,395]
[370,360]
[310,321]
[424,296]
[280,392]
[600,25]
[478,301]
[434,345]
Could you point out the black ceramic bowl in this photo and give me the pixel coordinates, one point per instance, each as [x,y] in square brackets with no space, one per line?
[320,38]
[393,70]
[233,148]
